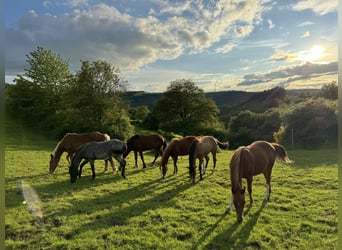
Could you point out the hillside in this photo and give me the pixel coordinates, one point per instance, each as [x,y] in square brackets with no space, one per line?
[244,99]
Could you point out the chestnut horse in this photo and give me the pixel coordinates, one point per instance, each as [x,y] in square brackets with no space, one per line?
[246,162]
[201,147]
[139,143]
[176,147]
[71,142]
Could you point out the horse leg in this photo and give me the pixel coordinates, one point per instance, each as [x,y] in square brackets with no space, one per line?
[200,167]
[106,166]
[206,163]
[230,204]
[268,186]
[214,161]
[175,168]
[81,166]
[136,159]
[155,157]
[142,158]
[112,164]
[249,187]
[69,158]
[92,168]
[122,164]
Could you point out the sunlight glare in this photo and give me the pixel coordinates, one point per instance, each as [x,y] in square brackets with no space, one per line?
[315,53]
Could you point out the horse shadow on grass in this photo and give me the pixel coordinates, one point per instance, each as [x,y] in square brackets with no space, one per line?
[127,203]
[231,238]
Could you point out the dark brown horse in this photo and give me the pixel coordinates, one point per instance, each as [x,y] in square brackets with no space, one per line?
[199,149]
[175,148]
[71,142]
[246,162]
[139,143]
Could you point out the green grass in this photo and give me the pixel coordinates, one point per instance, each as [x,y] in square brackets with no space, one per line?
[145,212]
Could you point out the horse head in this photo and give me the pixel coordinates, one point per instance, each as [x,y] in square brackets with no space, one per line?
[239,201]
[73,173]
[53,164]
[163,170]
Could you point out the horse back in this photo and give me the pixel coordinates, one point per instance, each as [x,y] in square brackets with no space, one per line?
[264,155]
[146,142]
[73,141]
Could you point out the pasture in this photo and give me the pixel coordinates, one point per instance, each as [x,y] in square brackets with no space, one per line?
[147,212]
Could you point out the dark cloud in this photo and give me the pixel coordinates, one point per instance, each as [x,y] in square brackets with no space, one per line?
[290,74]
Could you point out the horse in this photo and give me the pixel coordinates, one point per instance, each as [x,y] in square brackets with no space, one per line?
[92,151]
[140,143]
[175,148]
[199,149]
[248,161]
[71,142]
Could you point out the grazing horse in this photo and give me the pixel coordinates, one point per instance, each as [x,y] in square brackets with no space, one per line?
[176,147]
[140,143]
[246,162]
[97,151]
[200,148]
[71,142]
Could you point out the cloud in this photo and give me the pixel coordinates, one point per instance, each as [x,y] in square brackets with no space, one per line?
[103,32]
[320,7]
[290,74]
[284,56]
[306,34]
[271,25]
[307,23]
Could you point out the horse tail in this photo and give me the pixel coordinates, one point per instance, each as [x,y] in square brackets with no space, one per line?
[192,154]
[222,145]
[281,153]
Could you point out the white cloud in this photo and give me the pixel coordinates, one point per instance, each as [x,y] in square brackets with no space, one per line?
[320,7]
[271,25]
[103,32]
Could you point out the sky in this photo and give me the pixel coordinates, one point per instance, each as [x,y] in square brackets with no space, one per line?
[223,45]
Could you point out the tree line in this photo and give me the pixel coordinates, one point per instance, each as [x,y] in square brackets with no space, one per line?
[49,98]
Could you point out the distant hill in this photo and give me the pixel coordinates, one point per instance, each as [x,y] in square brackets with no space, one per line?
[141,98]
[238,100]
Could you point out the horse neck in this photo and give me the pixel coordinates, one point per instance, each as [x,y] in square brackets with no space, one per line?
[237,168]
[76,160]
[166,155]
[58,151]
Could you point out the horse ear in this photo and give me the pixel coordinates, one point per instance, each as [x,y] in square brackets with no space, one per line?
[243,190]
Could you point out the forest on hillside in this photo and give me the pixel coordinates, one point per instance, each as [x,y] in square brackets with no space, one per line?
[47,97]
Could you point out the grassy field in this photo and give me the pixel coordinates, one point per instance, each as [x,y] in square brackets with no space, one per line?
[145,212]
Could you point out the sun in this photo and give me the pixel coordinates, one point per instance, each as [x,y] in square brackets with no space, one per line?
[314,54]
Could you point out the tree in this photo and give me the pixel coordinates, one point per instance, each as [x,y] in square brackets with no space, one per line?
[93,101]
[36,94]
[313,124]
[184,109]
[329,91]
